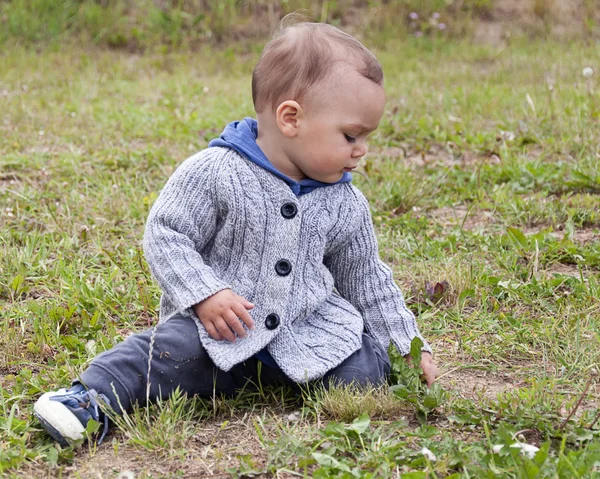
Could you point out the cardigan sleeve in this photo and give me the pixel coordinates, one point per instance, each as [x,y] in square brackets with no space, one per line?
[368,284]
[182,221]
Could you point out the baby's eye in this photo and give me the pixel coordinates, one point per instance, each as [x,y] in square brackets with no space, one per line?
[349,138]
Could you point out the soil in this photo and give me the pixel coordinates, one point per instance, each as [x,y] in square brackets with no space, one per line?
[473,383]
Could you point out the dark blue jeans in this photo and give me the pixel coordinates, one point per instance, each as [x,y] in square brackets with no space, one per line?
[179,360]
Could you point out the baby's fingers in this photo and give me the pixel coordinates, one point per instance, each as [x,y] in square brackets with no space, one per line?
[243,314]
[223,328]
[234,323]
[247,304]
[212,331]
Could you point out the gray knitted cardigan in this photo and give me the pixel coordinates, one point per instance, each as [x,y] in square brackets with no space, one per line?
[309,264]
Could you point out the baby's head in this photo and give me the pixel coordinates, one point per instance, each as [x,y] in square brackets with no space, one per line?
[318,93]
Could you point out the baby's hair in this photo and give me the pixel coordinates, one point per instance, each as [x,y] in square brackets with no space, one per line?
[301,55]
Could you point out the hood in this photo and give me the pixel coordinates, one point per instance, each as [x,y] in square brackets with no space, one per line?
[241,137]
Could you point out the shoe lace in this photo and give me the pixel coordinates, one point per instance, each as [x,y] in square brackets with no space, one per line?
[85,404]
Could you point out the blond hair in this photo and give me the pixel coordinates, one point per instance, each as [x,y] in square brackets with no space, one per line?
[302,55]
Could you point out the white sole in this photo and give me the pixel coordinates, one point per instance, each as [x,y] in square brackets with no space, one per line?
[58,420]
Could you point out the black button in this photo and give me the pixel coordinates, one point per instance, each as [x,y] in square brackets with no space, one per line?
[283,267]
[272,321]
[289,210]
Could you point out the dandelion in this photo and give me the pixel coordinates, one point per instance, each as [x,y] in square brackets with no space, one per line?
[413,15]
[587,72]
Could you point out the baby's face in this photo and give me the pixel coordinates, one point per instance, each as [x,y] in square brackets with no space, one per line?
[332,137]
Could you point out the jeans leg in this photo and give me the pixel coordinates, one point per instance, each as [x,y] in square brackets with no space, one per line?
[370,365]
[178,360]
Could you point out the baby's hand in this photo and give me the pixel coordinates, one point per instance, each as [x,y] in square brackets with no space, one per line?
[221,314]
[430,370]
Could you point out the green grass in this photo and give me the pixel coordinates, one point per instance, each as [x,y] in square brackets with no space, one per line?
[481,178]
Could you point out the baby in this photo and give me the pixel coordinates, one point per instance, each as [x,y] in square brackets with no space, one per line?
[264,250]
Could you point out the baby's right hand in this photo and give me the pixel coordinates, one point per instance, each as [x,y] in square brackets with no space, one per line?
[221,314]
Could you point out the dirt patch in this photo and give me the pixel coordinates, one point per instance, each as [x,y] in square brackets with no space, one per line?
[472,219]
[563,269]
[474,383]
[451,216]
[582,236]
[435,156]
[216,447]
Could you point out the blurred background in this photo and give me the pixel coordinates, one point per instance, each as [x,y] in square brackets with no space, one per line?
[137,25]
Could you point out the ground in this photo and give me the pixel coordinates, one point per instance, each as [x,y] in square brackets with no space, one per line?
[484,186]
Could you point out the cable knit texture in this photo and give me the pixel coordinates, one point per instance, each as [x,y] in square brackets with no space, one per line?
[218,223]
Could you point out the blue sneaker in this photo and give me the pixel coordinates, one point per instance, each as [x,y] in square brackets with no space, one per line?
[66,413]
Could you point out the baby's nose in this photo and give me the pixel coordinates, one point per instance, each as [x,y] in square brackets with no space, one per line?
[359,150]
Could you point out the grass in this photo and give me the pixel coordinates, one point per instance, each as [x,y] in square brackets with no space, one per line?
[483,180]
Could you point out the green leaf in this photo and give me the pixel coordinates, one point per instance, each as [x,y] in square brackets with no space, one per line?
[334,429]
[517,236]
[52,456]
[17,283]
[92,428]
[400,391]
[416,347]
[328,461]
[360,425]
[426,431]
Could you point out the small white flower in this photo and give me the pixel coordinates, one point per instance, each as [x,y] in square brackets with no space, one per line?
[41,133]
[73,114]
[526,449]
[587,72]
[205,89]
[428,454]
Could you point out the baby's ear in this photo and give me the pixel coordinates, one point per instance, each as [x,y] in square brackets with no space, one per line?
[287,116]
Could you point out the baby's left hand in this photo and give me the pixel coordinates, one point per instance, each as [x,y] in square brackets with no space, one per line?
[430,370]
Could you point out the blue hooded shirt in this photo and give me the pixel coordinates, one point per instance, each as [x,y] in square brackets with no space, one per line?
[241,136]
